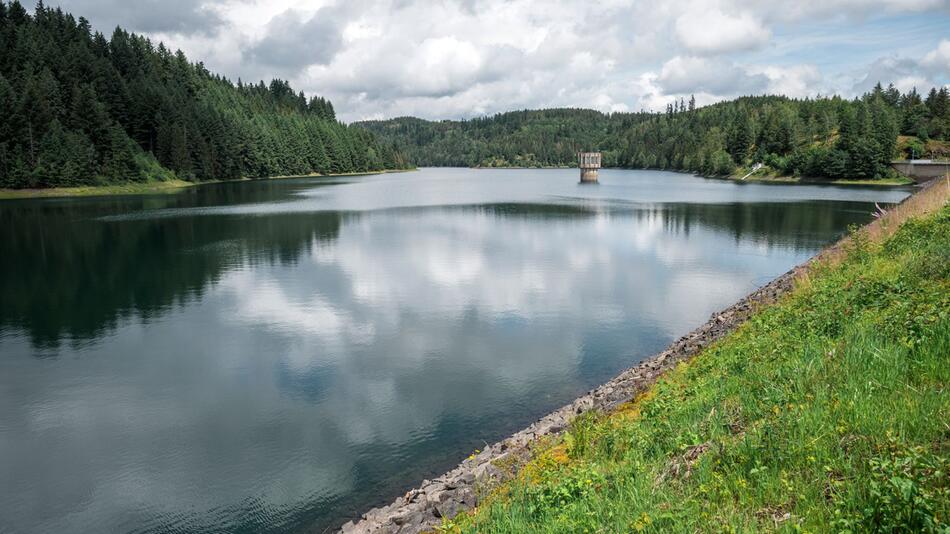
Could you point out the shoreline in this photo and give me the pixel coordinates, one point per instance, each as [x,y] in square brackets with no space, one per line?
[464,487]
[518,168]
[804,180]
[162,187]
[793,180]
[177,185]
[766,179]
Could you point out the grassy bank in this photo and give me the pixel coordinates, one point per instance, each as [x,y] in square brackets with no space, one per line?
[886,182]
[131,188]
[145,188]
[825,412]
[767,174]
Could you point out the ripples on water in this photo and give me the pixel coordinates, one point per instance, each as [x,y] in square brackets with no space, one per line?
[279,355]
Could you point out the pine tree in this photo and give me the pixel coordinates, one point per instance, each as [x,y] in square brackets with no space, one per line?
[7,108]
[913,113]
[938,103]
[64,158]
[740,136]
[88,115]
[40,106]
[120,163]
[884,131]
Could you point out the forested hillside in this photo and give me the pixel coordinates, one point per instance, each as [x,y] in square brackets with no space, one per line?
[823,137]
[529,138]
[79,108]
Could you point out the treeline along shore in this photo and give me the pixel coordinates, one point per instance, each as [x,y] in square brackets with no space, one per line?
[817,403]
[829,138]
[79,108]
[82,109]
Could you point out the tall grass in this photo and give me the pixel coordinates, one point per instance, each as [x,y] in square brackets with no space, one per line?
[829,411]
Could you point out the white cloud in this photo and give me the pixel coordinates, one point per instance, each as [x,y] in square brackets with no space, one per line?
[696,74]
[797,81]
[294,40]
[710,31]
[459,58]
[441,66]
[938,59]
[904,72]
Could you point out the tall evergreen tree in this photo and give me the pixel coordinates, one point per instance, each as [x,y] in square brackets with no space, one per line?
[741,136]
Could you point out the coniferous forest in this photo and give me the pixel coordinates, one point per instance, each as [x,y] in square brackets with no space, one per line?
[79,108]
[825,137]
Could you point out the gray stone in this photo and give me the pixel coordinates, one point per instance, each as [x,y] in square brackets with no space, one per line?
[449,508]
[466,496]
[433,487]
[486,472]
[403,516]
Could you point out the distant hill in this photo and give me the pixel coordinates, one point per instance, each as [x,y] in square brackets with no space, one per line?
[825,137]
[529,138]
[79,108]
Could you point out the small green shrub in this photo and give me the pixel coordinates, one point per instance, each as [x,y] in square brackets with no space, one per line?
[908,491]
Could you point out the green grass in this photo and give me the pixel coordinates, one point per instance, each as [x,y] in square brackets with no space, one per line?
[900,180]
[171,185]
[130,188]
[767,174]
[828,411]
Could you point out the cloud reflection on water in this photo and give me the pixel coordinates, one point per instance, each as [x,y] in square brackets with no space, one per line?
[278,371]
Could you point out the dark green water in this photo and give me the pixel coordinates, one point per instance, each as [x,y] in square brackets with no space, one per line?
[281,355]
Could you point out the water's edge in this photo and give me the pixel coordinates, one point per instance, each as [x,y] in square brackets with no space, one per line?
[462,488]
[160,187]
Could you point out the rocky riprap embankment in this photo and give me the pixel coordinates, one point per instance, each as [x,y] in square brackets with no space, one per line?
[461,489]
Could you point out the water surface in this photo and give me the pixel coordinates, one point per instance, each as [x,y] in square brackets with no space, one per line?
[281,355]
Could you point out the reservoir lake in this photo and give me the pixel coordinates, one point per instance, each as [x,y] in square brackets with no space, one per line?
[282,355]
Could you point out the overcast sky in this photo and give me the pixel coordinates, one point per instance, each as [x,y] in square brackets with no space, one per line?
[464,58]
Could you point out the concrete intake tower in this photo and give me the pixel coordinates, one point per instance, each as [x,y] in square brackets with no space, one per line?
[589,163]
